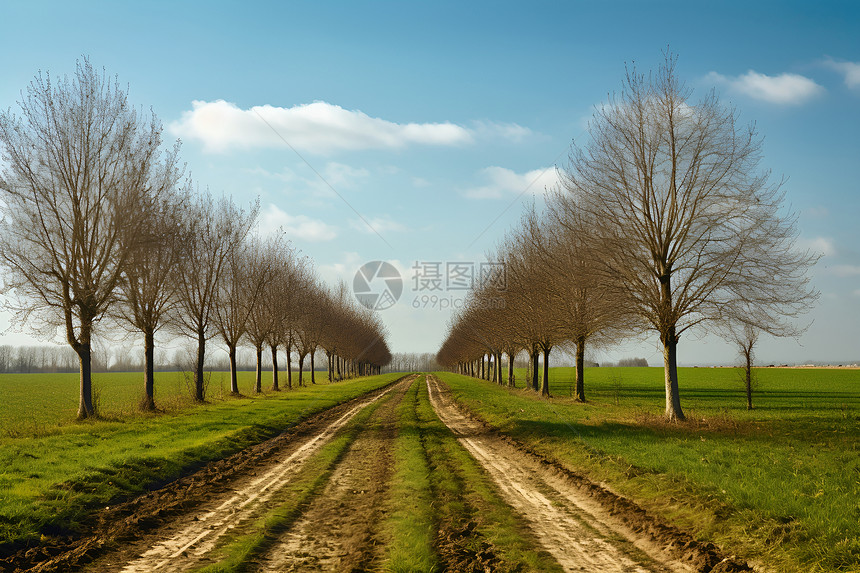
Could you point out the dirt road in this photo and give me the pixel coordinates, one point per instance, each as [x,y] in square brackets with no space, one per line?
[188,541]
[577,531]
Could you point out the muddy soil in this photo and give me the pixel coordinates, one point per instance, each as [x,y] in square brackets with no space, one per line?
[169,528]
[585,527]
[338,531]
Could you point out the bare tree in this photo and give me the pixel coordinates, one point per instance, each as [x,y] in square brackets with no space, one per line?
[79,162]
[266,274]
[691,229]
[242,283]
[212,232]
[146,289]
[590,310]
[745,336]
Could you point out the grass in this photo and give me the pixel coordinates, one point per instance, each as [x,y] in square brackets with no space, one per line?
[238,554]
[409,527]
[465,495]
[39,403]
[51,482]
[780,483]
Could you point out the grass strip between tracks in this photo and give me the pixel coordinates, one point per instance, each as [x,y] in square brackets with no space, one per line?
[410,528]
[238,554]
[51,485]
[474,519]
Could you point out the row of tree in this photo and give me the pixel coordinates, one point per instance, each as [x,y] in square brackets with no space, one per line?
[663,221]
[100,226]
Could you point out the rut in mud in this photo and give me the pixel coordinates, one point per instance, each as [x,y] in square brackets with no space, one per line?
[573,526]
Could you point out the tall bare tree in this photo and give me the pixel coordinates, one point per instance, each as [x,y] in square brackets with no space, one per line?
[242,283]
[213,230]
[692,229]
[78,166]
[267,273]
[146,289]
[589,310]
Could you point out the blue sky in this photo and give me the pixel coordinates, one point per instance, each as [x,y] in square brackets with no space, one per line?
[431,120]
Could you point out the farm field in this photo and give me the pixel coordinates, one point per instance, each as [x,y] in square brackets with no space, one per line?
[39,403]
[52,479]
[780,484]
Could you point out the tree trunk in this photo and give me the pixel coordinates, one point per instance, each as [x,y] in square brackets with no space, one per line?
[85,406]
[148,403]
[258,382]
[511,381]
[337,365]
[544,385]
[313,379]
[289,369]
[579,392]
[748,379]
[535,357]
[234,380]
[199,389]
[670,361]
[301,368]
[275,368]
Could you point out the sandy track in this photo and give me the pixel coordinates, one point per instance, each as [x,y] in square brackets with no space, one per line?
[571,526]
[188,540]
[337,531]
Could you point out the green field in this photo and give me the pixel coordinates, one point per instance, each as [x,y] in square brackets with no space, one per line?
[779,484]
[54,477]
[38,403]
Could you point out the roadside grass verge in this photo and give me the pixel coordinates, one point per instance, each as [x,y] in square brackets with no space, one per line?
[51,483]
[779,484]
[238,554]
[409,527]
[468,507]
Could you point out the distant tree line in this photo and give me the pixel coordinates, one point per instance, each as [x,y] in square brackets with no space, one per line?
[29,359]
[101,229]
[412,362]
[626,362]
[663,222]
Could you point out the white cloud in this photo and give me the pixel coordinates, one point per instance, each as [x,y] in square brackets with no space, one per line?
[341,270]
[849,70]
[504,182]
[821,245]
[784,89]
[846,270]
[295,226]
[341,175]
[817,212]
[317,127]
[379,224]
[511,131]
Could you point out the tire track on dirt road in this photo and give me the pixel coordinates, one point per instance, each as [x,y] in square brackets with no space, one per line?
[578,533]
[189,539]
[338,531]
